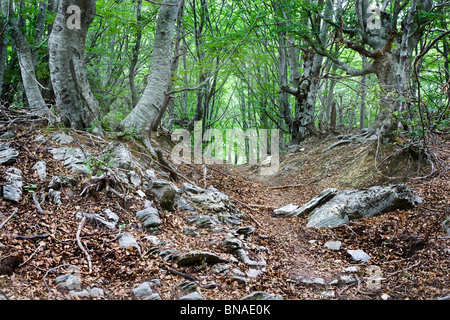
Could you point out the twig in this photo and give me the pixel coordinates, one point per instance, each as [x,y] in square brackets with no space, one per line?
[185,275]
[41,245]
[9,218]
[38,236]
[248,207]
[404,269]
[80,226]
[38,205]
[285,187]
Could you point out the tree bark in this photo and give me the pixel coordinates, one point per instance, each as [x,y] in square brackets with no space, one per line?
[31,86]
[141,118]
[136,50]
[78,107]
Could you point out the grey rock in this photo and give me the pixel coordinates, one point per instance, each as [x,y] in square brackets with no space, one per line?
[353,204]
[7,135]
[143,291]
[238,272]
[121,156]
[150,175]
[184,205]
[149,217]
[203,221]
[62,138]
[254,273]
[109,220]
[195,257]
[111,216]
[127,241]
[239,279]
[153,296]
[135,180]
[210,285]
[80,294]
[352,269]
[215,202]
[188,286]
[359,255]
[69,281]
[294,148]
[333,245]
[73,159]
[246,230]
[260,295]
[286,210]
[446,226]
[192,296]
[191,231]
[347,279]
[167,193]
[40,139]
[8,155]
[320,281]
[96,292]
[327,294]
[55,196]
[156,282]
[12,189]
[153,240]
[323,197]
[191,189]
[141,193]
[41,169]
[59,182]
[232,244]
[220,267]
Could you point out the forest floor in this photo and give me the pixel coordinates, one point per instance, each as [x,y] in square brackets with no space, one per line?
[408,246]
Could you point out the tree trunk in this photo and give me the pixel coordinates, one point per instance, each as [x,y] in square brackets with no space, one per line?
[141,118]
[136,50]
[3,58]
[78,107]
[363,95]
[168,100]
[31,86]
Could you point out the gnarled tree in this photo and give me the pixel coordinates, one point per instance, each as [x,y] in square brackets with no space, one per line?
[387,35]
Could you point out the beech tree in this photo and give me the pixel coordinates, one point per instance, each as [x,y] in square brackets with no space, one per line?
[140,119]
[78,107]
[390,45]
[32,87]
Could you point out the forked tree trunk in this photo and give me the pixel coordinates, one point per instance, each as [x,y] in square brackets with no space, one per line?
[141,118]
[78,107]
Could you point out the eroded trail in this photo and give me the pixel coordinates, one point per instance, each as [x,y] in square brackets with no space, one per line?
[296,254]
[408,247]
[304,269]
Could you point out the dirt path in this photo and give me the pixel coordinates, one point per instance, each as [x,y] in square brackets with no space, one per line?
[296,253]
[410,264]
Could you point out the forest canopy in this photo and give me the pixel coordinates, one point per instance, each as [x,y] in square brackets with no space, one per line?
[303,67]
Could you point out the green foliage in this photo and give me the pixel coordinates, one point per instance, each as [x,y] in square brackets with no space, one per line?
[98,166]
